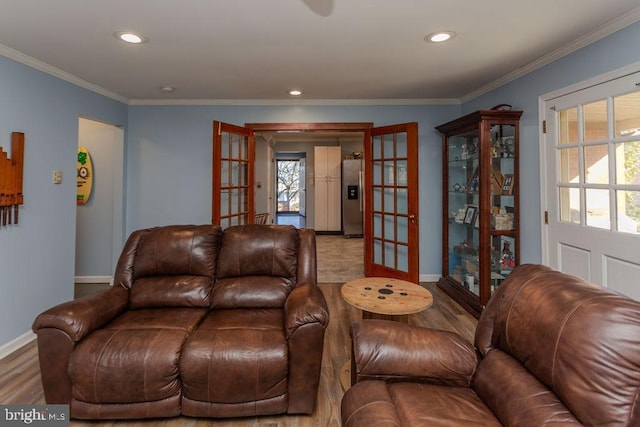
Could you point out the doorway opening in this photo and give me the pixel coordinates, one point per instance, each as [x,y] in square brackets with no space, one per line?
[290,188]
[100,218]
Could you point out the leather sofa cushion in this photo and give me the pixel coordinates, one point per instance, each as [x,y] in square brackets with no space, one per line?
[172,266]
[236,356]
[258,250]
[105,369]
[177,250]
[555,325]
[409,404]
[257,267]
[515,395]
[184,319]
[251,292]
[171,291]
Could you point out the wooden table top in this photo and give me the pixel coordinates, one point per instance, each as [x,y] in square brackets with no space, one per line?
[383,295]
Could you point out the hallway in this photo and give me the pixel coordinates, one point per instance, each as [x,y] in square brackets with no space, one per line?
[339,259]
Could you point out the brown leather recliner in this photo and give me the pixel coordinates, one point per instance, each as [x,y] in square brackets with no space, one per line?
[200,322]
[550,349]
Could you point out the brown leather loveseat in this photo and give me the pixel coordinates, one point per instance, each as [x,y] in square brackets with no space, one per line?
[200,322]
[550,349]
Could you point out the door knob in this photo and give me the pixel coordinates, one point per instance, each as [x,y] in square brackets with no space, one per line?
[412,218]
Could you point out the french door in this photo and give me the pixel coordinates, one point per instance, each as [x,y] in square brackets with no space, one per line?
[592,154]
[391,202]
[232,175]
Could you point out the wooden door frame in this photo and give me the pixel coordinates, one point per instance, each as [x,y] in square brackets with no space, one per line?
[365,128]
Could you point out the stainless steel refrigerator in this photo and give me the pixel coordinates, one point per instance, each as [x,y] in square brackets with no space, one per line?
[352,197]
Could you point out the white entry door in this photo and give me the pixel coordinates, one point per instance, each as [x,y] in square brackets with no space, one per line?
[592,155]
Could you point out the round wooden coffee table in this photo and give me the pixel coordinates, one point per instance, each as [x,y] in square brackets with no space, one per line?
[383,298]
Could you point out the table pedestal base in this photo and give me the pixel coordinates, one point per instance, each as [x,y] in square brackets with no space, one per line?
[403,318]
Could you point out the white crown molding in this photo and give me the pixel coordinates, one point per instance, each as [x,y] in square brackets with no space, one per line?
[56,72]
[602,32]
[195,102]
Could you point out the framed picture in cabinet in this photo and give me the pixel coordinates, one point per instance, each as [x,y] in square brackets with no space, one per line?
[507,184]
[470,214]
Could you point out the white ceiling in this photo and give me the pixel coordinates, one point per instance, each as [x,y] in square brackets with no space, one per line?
[241,50]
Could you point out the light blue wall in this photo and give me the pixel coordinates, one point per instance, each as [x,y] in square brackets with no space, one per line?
[615,51]
[37,255]
[168,163]
[169,159]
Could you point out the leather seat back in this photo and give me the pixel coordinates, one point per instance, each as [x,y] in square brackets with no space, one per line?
[257,266]
[170,266]
[577,341]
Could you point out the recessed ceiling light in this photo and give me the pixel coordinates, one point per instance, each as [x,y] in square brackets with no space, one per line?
[130,37]
[295,92]
[167,89]
[439,37]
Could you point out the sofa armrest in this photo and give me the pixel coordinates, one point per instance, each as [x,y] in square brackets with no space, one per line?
[306,318]
[393,351]
[80,317]
[305,304]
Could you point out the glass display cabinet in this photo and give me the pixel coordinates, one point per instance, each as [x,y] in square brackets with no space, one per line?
[480,233]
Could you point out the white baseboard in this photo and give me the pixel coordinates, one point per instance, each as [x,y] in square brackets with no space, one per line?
[429,277]
[94,279]
[13,345]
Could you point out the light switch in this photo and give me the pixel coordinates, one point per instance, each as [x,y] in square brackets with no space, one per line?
[57,176]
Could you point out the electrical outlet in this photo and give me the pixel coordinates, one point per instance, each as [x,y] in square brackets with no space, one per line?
[57,176]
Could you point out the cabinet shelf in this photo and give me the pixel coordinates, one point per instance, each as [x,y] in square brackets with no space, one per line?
[481,238]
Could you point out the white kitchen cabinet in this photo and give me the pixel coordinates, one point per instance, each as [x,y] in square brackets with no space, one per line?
[327,173]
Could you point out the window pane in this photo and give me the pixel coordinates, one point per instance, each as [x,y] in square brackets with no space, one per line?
[377,225]
[628,163]
[377,199]
[626,111]
[389,227]
[224,174]
[569,166]
[568,126]
[628,211]
[598,208]
[224,149]
[377,252]
[570,205]
[377,173]
[389,200]
[376,149]
[403,258]
[389,173]
[388,148]
[401,145]
[389,255]
[402,201]
[403,229]
[595,121]
[401,173]
[596,164]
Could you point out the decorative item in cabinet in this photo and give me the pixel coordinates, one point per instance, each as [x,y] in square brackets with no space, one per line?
[481,236]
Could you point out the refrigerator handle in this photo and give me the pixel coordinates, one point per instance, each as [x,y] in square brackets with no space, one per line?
[360,190]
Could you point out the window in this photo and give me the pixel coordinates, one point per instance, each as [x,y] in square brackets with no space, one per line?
[598,151]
